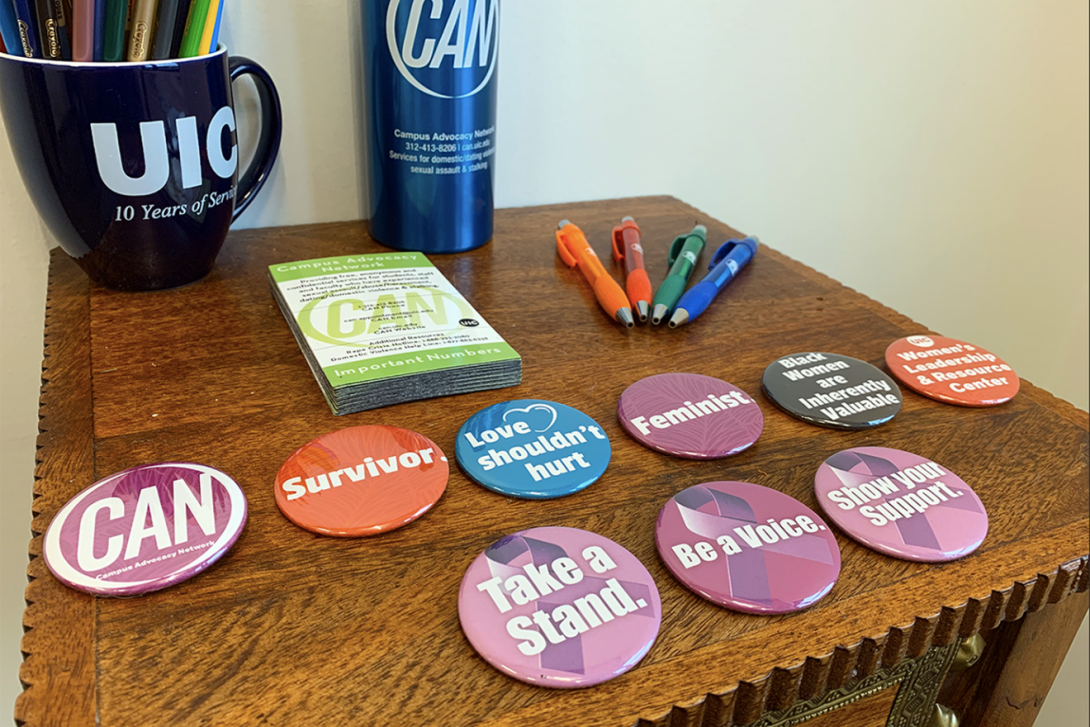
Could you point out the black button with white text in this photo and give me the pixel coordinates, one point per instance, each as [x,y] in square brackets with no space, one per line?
[831,390]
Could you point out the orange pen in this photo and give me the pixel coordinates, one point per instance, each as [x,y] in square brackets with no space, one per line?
[575,250]
[626,246]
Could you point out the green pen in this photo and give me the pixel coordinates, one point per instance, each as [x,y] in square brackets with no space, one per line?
[684,252]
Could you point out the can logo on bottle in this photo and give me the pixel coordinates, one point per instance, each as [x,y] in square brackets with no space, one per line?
[426,43]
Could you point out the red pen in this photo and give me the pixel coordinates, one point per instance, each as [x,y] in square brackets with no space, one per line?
[626,246]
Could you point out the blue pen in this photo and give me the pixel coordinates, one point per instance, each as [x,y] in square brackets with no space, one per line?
[26,21]
[9,29]
[731,257]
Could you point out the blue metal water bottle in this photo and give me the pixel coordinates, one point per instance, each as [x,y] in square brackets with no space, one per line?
[431,74]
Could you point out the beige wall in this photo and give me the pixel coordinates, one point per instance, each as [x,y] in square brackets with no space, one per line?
[932,155]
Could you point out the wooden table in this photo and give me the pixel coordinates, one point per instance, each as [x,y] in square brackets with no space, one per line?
[290,628]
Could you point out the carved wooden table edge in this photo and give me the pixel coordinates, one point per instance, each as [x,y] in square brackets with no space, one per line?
[821,683]
[55,614]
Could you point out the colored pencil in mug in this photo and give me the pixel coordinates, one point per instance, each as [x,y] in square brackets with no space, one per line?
[215,29]
[194,29]
[100,28]
[209,25]
[169,27]
[50,27]
[113,42]
[216,32]
[64,12]
[83,30]
[141,28]
[9,29]
[27,22]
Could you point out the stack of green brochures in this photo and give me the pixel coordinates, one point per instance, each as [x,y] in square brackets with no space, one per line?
[382,329]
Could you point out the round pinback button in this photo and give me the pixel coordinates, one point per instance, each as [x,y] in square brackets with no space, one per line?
[747,547]
[951,371]
[901,504]
[691,416]
[144,529]
[361,481]
[831,390]
[532,448]
[559,607]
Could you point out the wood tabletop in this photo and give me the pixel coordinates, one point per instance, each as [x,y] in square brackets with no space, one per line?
[294,628]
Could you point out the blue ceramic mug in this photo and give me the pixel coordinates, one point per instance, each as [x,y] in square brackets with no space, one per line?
[134,166]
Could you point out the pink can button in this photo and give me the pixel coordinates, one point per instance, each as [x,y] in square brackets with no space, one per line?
[747,547]
[901,504]
[559,607]
[145,528]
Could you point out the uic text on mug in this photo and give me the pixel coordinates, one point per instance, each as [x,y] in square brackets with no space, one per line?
[153,139]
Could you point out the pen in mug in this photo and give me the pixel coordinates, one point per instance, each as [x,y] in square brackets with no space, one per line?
[54,30]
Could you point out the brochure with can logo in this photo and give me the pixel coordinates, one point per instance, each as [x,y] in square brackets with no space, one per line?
[387,328]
